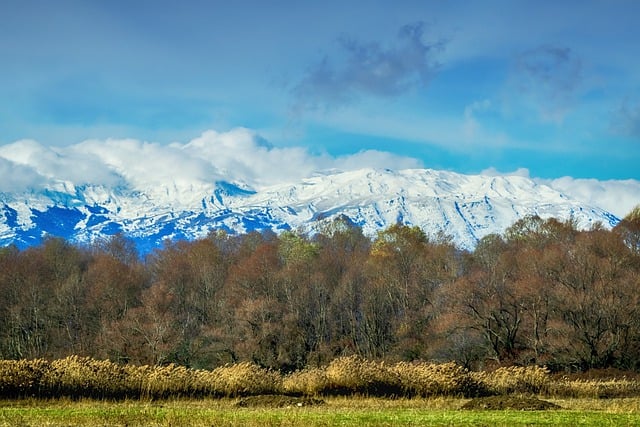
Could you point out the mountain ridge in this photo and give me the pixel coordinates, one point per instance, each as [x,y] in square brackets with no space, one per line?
[466,207]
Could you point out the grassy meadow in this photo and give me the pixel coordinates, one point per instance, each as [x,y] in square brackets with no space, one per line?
[342,411]
[349,391]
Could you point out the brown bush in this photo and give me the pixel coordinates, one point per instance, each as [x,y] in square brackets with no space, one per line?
[22,378]
[85,377]
[430,379]
[310,382]
[514,379]
[243,379]
[356,375]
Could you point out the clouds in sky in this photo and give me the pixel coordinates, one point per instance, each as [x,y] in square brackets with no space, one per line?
[616,196]
[463,85]
[524,172]
[546,79]
[189,170]
[18,177]
[369,68]
[238,155]
[626,120]
[32,165]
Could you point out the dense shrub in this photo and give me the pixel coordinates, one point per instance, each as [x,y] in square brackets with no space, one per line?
[243,379]
[430,379]
[356,375]
[22,378]
[309,382]
[514,379]
[86,377]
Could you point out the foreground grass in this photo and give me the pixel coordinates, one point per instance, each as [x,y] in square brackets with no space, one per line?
[337,411]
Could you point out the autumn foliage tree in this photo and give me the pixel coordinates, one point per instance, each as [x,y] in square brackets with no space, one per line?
[544,292]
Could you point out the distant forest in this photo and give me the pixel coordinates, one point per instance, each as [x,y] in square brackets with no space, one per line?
[543,293]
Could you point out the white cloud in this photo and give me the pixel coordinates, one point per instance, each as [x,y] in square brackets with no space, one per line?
[18,178]
[376,159]
[30,159]
[523,172]
[617,197]
[28,152]
[238,155]
[184,171]
[146,165]
[241,155]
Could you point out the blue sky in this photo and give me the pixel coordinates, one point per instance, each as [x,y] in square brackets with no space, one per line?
[548,87]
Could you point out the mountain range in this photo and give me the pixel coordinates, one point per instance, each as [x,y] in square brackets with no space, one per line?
[465,207]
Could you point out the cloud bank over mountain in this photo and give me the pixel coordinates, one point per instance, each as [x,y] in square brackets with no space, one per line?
[616,196]
[240,156]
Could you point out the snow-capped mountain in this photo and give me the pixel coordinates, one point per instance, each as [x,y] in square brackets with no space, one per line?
[467,207]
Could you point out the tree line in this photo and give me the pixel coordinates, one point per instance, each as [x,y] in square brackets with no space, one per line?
[542,293]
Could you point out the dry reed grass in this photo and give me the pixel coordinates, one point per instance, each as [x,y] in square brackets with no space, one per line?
[310,382]
[356,375]
[514,379]
[22,378]
[78,377]
[431,379]
[244,379]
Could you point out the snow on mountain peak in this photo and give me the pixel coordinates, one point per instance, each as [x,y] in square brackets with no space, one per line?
[464,206]
[236,181]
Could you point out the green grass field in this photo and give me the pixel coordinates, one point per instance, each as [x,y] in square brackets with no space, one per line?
[336,412]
